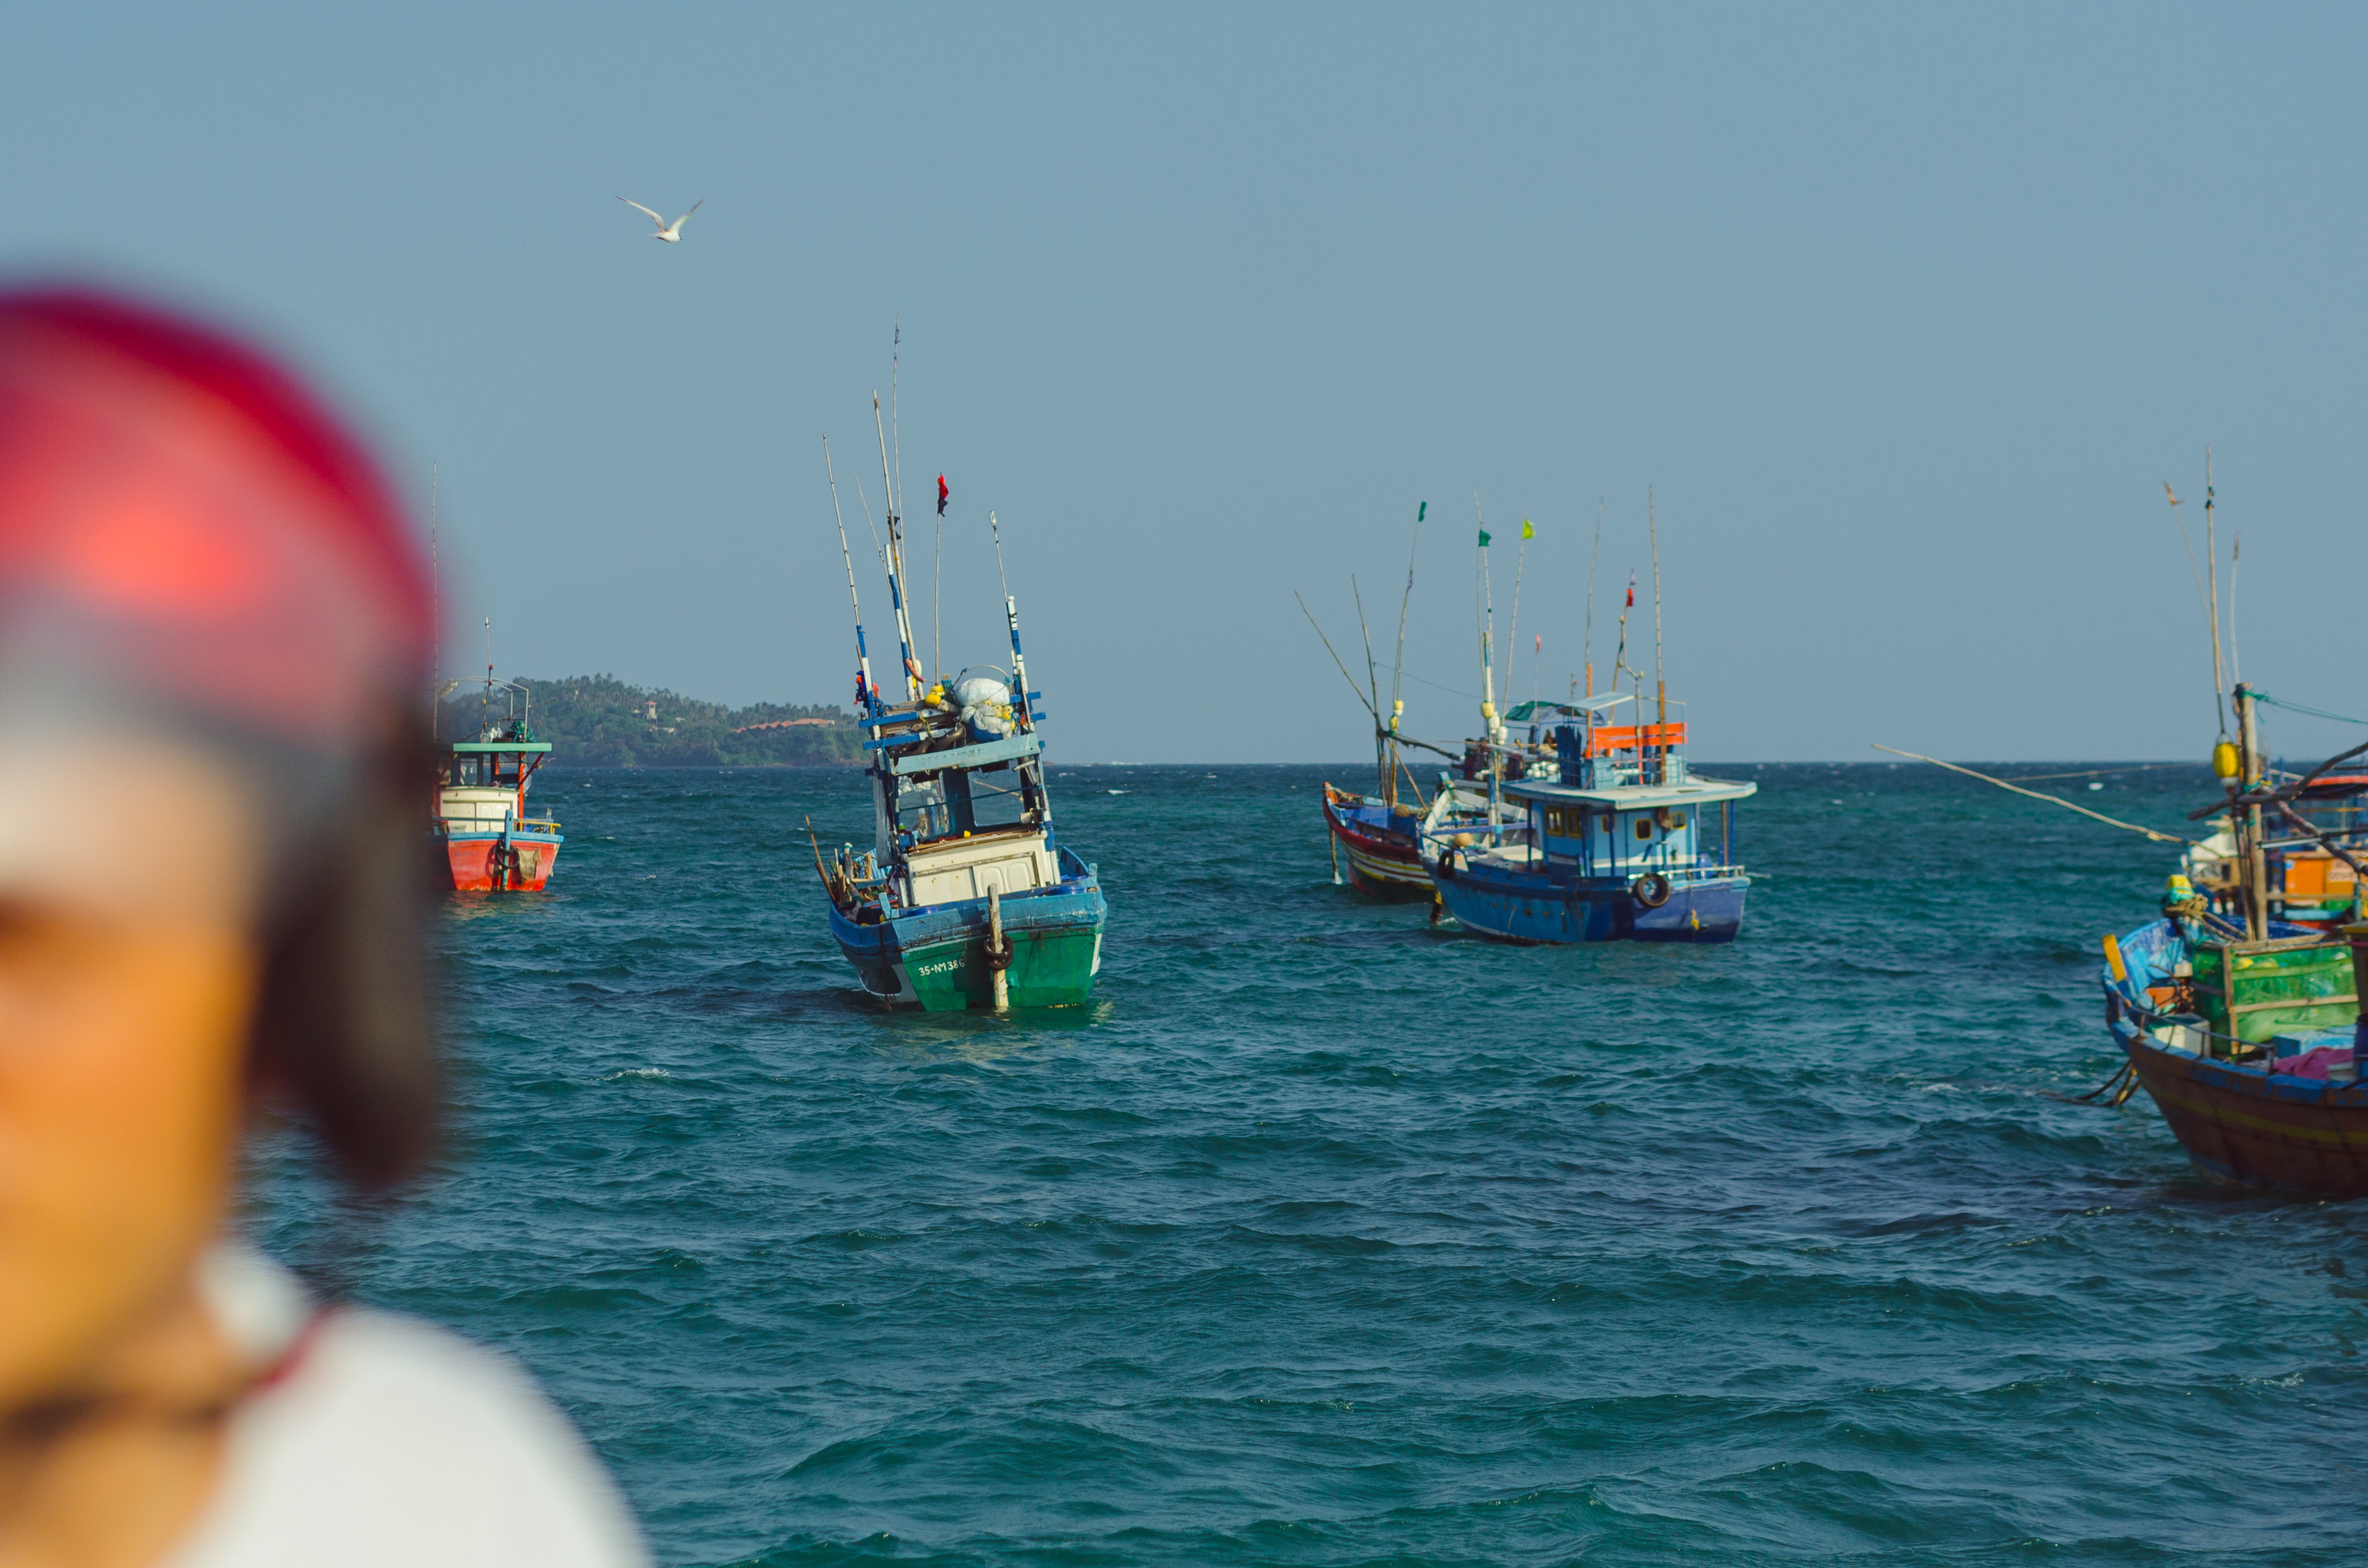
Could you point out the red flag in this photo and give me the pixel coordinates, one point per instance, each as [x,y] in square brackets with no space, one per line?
[1632,590]
[942,494]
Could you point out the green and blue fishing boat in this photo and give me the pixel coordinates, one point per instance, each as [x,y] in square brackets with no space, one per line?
[966,899]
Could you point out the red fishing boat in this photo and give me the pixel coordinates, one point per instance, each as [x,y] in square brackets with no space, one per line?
[481,820]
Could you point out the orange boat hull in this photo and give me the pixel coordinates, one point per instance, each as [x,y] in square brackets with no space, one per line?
[516,864]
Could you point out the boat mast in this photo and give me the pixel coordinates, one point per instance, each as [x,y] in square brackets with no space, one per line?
[2257,915]
[1373,687]
[1488,662]
[866,698]
[1660,686]
[912,687]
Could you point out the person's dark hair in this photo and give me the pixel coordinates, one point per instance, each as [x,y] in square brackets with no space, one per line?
[345,1030]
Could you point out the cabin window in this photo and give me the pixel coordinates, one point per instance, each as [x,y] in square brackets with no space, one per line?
[1644,827]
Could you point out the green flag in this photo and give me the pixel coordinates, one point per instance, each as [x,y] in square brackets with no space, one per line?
[1527,531]
[1484,538]
[1422,511]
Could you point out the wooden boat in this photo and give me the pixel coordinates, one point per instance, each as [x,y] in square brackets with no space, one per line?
[966,899]
[2239,1010]
[1621,845]
[491,843]
[2249,1048]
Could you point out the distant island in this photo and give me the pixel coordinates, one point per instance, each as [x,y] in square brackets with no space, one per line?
[600,721]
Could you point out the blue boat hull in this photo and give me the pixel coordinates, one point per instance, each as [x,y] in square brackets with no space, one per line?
[1525,907]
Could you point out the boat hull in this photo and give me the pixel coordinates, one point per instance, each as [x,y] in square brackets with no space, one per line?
[936,959]
[1382,862]
[2239,1123]
[1514,906]
[519,861]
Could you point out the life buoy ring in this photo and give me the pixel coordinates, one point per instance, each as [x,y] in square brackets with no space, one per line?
[1651,889]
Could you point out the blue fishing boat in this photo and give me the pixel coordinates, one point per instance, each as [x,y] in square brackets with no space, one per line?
[1623,843]
[966,899]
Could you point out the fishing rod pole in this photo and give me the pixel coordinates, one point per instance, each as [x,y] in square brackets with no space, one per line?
[896,505]
[1360,695]
[1374,683]
[1011,619]
[865,696]
[895,551]
[2195,571]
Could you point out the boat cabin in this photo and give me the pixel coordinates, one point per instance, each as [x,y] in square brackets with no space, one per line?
[957,816]
[1624,803]
[484,782]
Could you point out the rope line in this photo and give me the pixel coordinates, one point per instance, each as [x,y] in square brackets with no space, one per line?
[2305,707]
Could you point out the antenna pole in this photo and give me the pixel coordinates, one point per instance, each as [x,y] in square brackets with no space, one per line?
[2212,564]
[2236,653]
[435,601]
[1593,558]
[1513,631]
[1011,619]
[912,687]
[1660,686]
[866,698]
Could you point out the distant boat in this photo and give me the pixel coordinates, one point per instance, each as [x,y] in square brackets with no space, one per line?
[1624,844]
[490,841]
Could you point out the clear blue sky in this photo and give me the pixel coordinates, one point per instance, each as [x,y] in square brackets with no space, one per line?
[1905,313]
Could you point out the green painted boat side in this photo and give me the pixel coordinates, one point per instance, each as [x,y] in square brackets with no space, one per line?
[1049,969]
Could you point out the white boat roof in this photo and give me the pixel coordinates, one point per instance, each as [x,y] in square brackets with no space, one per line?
[1637,797]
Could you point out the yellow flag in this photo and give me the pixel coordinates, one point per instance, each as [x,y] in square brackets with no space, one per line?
[1527,531]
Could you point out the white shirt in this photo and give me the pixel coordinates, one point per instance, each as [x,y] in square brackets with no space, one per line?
[385,1441]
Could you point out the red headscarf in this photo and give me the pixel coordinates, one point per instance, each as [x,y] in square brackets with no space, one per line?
[182,522]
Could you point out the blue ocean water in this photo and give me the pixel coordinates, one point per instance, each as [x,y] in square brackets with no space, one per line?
[1325,1237]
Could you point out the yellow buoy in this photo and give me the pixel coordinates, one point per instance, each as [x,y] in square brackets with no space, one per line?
[2224,760]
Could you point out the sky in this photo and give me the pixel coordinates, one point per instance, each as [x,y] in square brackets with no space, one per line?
[1902,316]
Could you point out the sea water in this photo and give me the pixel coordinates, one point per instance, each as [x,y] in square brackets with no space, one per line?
[1327,1236]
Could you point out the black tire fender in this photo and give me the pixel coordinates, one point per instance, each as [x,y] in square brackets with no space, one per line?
[1447,865]
[1651,889]
[999,956]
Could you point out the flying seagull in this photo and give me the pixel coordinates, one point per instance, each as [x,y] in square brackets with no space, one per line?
[669,233]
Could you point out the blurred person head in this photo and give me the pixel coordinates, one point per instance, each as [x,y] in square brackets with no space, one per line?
[213,872]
